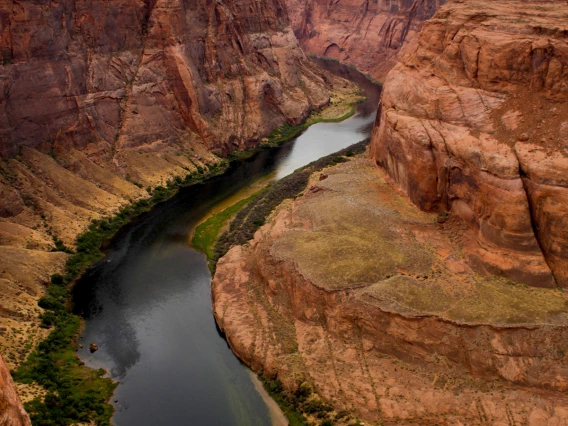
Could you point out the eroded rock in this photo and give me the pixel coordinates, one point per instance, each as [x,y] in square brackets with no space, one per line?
[471,122]
[12,412]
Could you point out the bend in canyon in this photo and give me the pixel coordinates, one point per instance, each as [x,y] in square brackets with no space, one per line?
[424,281]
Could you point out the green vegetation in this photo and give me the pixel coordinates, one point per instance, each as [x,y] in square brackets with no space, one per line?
[288,131]
[254,214]
[59,245]
[76,393]
[286,402]
[301,403]
[206,234]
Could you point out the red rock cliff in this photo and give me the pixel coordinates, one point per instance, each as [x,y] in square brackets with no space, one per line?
[354,290]
[149,73]
[474,121]
[367,34]
[11,410]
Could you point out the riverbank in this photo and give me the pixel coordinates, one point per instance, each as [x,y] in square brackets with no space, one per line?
[64,389]
[206,234]
[54,365]
[244,219]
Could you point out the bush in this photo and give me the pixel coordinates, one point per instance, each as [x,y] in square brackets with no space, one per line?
[57,279]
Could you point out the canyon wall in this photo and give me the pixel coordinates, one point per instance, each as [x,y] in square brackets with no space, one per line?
[366,34]
[100,102]
[149,74]
[399,292]
[12,412]
[473,120]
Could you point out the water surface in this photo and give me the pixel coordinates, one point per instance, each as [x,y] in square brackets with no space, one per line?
[147,304]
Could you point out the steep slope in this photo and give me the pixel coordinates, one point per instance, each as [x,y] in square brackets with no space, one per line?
[473,121]
[100,101]
[363,33]
[150,74]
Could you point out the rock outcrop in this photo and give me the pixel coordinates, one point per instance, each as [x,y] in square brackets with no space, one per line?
[101,101]
[473,120]
[366,34]
[12,412]
[355,291]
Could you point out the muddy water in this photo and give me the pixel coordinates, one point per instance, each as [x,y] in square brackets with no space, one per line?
[147,304]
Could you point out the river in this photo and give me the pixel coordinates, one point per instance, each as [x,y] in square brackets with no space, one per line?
[147,304]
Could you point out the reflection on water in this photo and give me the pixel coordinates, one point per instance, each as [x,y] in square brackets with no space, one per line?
[147,304]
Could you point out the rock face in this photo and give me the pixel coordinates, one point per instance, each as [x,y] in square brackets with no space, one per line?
[11,410]
[354,290]
[100,101]
[366,34]
[474,121]
[149,74]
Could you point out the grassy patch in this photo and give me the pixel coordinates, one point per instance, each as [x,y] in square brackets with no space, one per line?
[288,131]
[206,234]
[76,393]
[254,214]
[286,404]
[491,300]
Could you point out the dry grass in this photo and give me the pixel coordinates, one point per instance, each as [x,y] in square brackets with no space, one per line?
[493,300]
[354,231]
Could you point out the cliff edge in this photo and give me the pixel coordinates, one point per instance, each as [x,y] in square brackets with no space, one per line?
[12,412]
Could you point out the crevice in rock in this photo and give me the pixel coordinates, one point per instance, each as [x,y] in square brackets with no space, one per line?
[524,177]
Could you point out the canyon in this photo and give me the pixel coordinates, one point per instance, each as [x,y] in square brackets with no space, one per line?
[102,103]
[428,286]
[422,282]
[366,34]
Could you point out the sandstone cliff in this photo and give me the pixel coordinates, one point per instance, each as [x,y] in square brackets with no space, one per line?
[101,100]
[474,121]
[355,291]
[11,410]
[366,34]
[149,75]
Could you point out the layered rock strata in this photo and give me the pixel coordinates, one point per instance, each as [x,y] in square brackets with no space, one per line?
[354,290]
[12,412]
[100,101]
[473,120]
[366,34]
